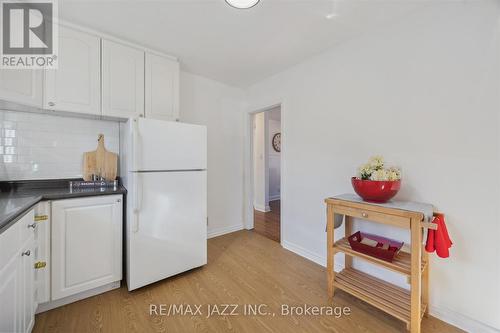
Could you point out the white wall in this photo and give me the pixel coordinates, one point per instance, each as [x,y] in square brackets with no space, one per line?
[40,146]
[274,159]
[218,106]
[424,92]
[260,162]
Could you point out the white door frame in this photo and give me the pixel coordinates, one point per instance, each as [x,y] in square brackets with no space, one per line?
[249,172]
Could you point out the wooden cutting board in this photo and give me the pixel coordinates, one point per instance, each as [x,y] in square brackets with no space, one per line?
[100,162]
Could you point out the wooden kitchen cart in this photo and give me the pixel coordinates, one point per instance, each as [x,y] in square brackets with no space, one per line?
[408,306]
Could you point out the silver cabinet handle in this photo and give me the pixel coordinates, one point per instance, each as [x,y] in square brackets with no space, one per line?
[33,225]
[364,215]
[26,253]
[51,104]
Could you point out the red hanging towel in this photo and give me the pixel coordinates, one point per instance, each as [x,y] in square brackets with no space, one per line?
[439,240]
[429,245]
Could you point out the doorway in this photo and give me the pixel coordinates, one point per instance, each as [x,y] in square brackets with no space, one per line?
[266,155]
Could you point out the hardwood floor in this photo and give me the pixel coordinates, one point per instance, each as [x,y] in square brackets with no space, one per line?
[243,268]
[268,224]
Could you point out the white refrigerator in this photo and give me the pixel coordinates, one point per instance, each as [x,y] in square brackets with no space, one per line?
[163,166]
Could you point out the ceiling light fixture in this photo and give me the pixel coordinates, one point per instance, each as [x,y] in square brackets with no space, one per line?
[242,4]
[331,15]
[334,12]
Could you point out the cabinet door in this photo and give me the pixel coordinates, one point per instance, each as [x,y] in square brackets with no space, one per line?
[122,80]
[162,88]
[11,318]
[86,244]
[22,86]
[28,285]
[17,285]
[75,85]
[42,252]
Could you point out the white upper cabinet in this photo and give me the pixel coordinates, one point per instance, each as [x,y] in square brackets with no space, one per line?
[98,77]
[76,85]
[22,86]
[122,80]
[162,88]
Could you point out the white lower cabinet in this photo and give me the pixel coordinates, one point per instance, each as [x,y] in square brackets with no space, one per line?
[58,249]
[42,253]
[10,287]
[17,285]
[28,285]
[86,244]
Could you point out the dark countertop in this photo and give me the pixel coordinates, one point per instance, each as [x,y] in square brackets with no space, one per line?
[17,197]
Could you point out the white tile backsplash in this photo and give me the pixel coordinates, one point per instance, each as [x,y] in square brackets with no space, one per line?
[41,146]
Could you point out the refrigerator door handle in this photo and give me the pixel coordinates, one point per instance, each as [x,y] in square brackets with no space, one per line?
[137,202]
[135,144]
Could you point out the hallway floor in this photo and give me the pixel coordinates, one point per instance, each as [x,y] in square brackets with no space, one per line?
[268,224]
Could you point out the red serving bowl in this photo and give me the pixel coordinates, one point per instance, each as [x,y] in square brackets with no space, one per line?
[376,191]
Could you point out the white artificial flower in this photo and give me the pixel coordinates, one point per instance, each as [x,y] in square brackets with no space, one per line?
[374,170]
[365,171]
[380,175]
[376,162]
[394,173]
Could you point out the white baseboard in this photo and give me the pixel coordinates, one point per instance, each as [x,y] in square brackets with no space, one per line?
[459,320]
[304,253]
[73,298]
[214,232]
[275,197]
[447,315]
[263,209]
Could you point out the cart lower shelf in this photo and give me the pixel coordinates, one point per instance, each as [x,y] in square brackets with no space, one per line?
[378,293]
[401,263]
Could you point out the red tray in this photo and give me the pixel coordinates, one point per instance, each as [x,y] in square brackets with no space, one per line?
[377,252]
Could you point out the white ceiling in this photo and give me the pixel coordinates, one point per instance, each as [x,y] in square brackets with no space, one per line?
[237,47]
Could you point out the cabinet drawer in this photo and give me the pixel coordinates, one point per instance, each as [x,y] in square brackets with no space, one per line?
[10,242]
[398,221]
[27,225]
[14,237]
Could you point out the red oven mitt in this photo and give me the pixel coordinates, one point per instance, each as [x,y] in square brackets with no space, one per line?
[439,240]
